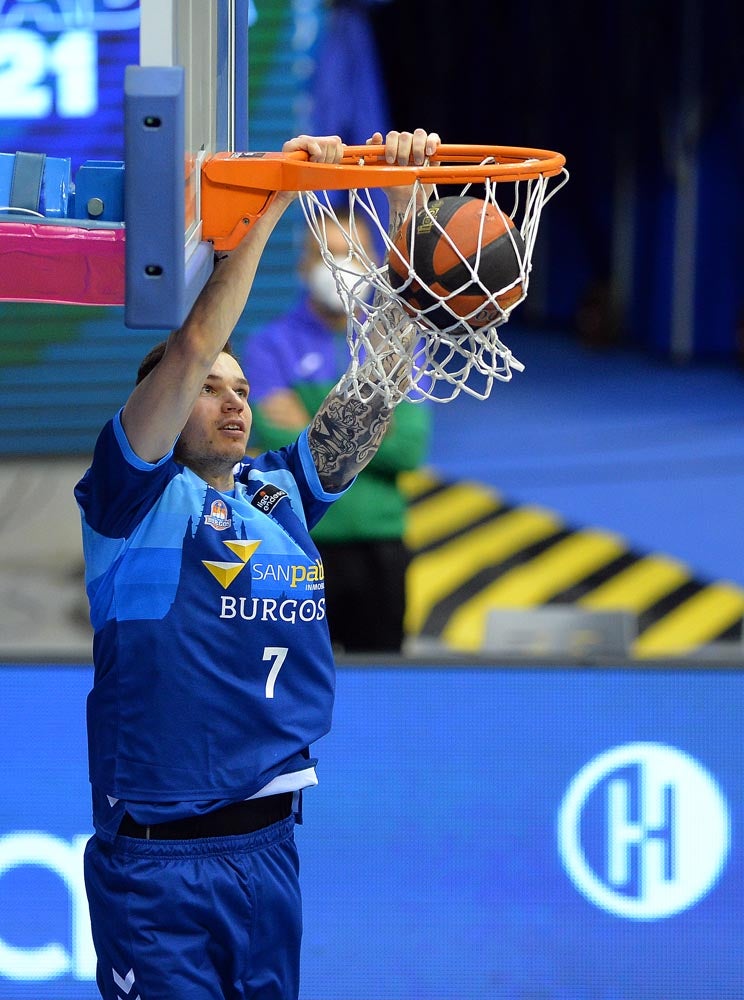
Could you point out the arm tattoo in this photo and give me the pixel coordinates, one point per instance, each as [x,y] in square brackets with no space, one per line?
[344,436]
[396,220]
[347,431]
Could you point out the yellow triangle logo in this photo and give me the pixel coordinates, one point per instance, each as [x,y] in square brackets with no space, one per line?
[243,549]
[224,572]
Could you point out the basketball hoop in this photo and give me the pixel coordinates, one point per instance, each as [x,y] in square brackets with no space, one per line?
[409,338]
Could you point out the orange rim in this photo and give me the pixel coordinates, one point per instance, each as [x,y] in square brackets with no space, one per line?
[238,187]
[462,164]
[365,166]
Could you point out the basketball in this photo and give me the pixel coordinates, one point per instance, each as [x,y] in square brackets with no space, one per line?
[445,232]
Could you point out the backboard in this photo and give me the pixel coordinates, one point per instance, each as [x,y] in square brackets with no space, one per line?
[187,99]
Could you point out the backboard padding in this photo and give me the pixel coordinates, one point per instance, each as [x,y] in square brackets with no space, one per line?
[208,41]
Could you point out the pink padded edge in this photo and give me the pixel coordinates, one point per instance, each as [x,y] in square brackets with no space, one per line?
[66,264]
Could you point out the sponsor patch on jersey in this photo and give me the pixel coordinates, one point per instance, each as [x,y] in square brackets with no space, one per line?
[218,516]
[267,497]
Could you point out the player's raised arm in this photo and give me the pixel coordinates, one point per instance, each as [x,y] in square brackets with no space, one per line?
[345,433]
[159,406]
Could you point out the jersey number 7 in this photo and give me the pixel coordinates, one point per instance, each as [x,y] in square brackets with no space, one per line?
[278,654]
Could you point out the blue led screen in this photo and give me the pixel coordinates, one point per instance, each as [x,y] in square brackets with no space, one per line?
[567,834]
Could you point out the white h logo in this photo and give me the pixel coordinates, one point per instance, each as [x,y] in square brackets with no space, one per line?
[643,831]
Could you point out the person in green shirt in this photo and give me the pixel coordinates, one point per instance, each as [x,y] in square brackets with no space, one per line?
[293,362]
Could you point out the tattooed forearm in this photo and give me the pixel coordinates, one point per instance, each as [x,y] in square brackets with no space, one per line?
[397,218]
[344,435]
[349,427]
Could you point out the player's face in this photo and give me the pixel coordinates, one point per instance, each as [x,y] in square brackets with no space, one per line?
[216,434]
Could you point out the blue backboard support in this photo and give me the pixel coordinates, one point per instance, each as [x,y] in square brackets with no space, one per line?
[186,100]
[161,283]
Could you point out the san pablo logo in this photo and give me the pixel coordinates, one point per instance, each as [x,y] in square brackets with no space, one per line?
[225,572]
[310,577]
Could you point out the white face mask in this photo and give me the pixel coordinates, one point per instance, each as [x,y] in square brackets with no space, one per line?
[321,283]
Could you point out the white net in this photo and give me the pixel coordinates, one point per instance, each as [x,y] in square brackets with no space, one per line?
[409,337]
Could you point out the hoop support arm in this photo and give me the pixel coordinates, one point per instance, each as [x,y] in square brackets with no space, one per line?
[237,188]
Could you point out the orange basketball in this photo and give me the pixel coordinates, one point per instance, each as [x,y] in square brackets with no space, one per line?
[472,226]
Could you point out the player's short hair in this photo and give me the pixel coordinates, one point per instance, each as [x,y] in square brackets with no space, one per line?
[155,355]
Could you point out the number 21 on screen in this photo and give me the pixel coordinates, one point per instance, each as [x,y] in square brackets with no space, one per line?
[42,74]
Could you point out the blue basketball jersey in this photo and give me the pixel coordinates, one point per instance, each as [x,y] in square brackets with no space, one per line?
[213,665]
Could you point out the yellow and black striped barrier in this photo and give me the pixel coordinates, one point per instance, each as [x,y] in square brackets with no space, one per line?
[473,552]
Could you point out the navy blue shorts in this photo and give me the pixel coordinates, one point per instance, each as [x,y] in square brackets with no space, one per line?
[216,918]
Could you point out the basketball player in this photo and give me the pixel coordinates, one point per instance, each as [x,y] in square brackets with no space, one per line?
[213,667]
